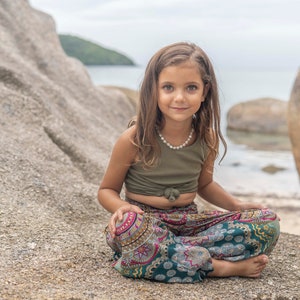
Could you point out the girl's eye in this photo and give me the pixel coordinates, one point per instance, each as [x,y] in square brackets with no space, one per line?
[192,88]
[168,88]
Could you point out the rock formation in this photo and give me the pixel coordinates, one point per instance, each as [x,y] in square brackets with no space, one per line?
[56,132]
[50,98]
[265,115]
[294,121]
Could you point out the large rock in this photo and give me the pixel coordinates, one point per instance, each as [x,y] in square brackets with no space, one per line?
[56,133]
[294,121]
[48,99]
[264,115]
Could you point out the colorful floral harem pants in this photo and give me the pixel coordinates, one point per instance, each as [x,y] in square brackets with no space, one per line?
[177,245]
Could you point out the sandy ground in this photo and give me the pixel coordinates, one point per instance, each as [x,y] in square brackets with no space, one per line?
[78,264]
[290,220]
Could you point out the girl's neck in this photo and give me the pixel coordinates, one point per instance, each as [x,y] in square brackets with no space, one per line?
[177,133]
[176,128]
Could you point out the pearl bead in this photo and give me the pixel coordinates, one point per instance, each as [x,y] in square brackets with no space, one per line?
[176,147]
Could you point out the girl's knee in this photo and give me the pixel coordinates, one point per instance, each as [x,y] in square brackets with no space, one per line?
[130,223]
[269,214]
[126,231]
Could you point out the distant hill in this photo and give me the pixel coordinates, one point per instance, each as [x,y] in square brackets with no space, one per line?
[90,53]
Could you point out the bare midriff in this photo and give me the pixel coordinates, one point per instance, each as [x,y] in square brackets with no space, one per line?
[161,202]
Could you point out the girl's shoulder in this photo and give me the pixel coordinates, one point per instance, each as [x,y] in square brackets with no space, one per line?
[126,139]
[129,133]
[124,150]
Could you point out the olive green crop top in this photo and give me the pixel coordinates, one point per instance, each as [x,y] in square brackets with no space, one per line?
[177,172]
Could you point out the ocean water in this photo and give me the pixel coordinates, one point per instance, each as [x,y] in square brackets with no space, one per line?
[241,170]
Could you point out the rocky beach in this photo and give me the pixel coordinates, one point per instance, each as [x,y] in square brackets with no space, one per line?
[57,131]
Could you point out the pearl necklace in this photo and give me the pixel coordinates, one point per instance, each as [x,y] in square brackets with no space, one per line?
[176,147]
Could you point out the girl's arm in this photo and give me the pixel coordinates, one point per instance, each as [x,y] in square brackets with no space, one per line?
[122,156]
[212,192]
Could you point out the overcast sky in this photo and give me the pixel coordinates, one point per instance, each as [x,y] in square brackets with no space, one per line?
[234,33]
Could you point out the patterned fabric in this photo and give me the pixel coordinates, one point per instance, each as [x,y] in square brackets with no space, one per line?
[177,245]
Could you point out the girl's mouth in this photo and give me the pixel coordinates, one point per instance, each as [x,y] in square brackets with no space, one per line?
[179,108]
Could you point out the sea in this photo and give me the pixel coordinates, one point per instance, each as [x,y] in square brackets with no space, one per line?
[241,171]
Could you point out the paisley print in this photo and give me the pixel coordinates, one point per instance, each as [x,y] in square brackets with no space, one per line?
[177,245]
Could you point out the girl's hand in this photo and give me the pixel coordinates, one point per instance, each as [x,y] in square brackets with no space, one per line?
[249,205]
[118,216]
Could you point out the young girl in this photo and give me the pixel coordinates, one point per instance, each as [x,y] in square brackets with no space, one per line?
[165,158]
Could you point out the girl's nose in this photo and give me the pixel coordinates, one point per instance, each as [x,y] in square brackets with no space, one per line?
[179,96]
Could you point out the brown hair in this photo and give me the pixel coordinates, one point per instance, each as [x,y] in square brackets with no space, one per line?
[149,117]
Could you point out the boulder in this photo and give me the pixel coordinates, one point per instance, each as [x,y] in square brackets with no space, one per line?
[47,97]
[294,121]
[56,133]
[260,141]
[264,115]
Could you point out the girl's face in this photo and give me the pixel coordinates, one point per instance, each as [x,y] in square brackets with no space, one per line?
[180,92]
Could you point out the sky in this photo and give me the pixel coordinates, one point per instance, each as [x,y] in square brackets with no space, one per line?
[234,33]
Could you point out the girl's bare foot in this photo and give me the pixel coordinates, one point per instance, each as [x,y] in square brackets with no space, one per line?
[251,267]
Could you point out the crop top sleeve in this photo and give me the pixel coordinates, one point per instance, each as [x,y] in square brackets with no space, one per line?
[176,171]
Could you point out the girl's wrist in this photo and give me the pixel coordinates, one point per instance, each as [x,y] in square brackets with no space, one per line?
[237,205]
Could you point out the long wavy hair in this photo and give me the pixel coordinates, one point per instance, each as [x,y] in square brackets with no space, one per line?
[206,121]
